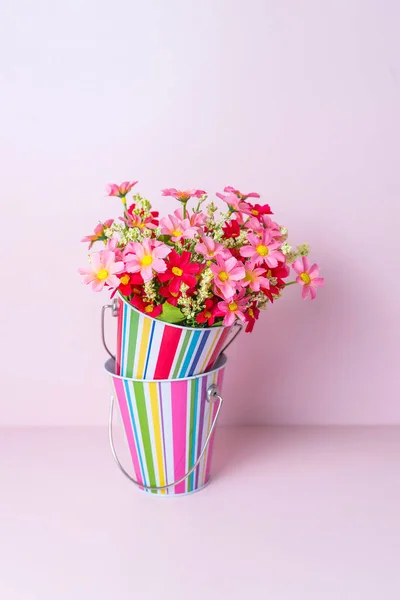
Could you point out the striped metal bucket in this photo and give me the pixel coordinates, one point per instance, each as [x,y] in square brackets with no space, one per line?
[151,349]
[169,428]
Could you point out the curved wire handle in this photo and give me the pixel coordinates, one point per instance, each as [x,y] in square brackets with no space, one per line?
[239,326]
[114,311]
[212,396]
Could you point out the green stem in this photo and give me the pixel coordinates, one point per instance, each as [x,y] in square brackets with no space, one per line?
[290,283]
[184,209]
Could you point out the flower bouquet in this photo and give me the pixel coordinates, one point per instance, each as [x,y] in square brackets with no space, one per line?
[197,267]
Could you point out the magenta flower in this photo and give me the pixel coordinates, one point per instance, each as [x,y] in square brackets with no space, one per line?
[232,308]
[307,277]
[177,228]
[102,270]
[227,273]
[208,247]
[263,249]
[146,258]
[183,196]
[254,278]
[112,189]
[112,245]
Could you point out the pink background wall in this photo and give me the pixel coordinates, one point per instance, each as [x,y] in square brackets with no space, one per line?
[299,101]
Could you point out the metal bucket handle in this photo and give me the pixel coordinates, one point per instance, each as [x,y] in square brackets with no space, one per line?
[114,311]
[212,396]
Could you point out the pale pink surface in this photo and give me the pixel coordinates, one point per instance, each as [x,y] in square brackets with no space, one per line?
[289,514]
[304,110]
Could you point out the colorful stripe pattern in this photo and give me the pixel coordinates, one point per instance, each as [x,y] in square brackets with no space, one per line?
[151,349]
[166,424]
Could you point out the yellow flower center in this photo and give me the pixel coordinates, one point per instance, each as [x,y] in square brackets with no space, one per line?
[149,308]
[305,277]
[183,196]
[176,233]
[254,212]
[102,274]
[250,312]
[125,279]
[174,294]
[146,260]
[141,225]
[223,276]
[177,271]
[248,276]
[232,306]
[262,250]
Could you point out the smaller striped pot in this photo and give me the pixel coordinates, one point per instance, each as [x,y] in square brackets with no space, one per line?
[150,349]
[167,425]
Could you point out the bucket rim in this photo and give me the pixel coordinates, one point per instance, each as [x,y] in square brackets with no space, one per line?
[109,367]
[176,325]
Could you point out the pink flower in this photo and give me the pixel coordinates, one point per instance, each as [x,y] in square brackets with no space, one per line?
[146,257]
[98,232]
[234,201]
[232,308]
[262,249]
[177,228]
[112,189]
[254,278]
[266,224]
[196,219]
[102,270]
[226,275]
[307,277]
[112,245]
[229,189]
[208,247]
[183,196]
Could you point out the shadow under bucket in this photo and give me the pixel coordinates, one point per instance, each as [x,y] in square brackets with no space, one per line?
[169,427]
[151,349]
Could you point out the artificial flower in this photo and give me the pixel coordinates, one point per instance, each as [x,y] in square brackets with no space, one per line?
[308,277]
[98,233]
[227,274]
[233,308]
[149,308]
[210,313]
[239,194]
[262,249]
[263,224]
[180,270]
[233,201]
[113,189]
[251,317]
[254,277]
[177,228]
[208,247]
[231,229]
[183,196]
[140,219]
[103,270]
[146,258]
[257,210]
[130,283]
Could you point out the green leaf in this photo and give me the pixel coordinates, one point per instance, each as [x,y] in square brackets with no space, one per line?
[171,314]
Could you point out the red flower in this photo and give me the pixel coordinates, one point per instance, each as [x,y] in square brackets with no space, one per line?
[210,312]
[180,270]
[231,229]
[280,273]
[256,210]
[146,307]
[130,283]
[251,317]
[172,297]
